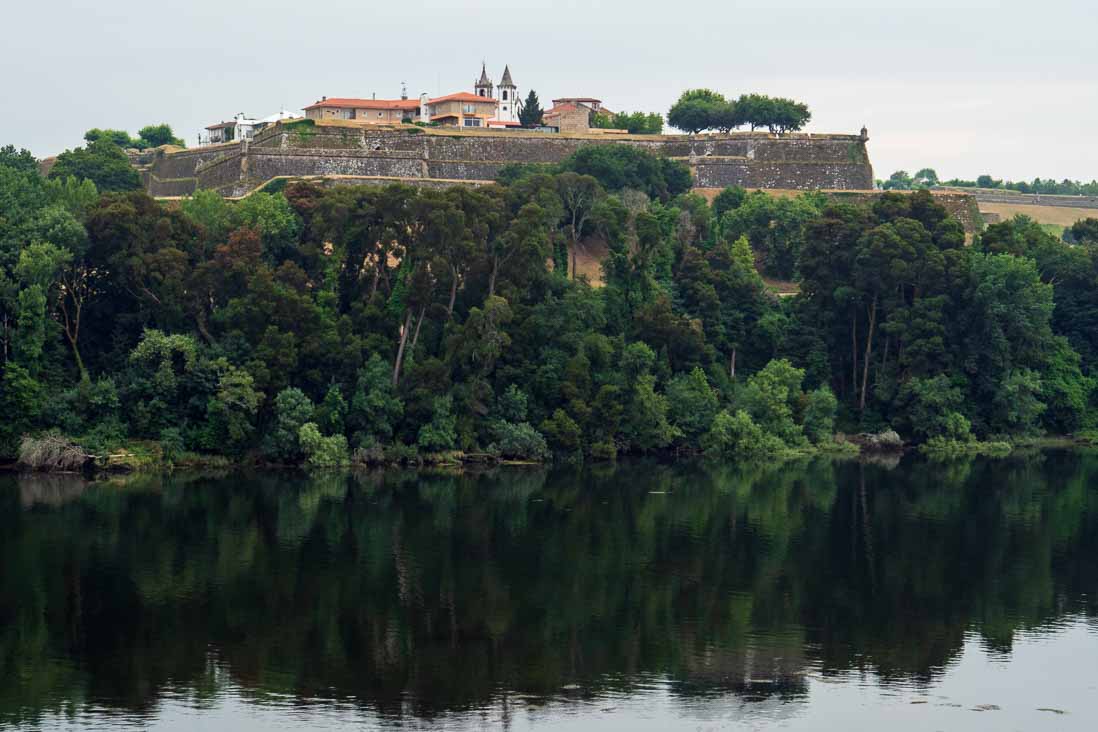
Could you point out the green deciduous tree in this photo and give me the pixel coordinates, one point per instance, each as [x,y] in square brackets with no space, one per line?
[774,226]
[375,407]
[102,162]
[157,135]
[439,434]
[692,404]
[232,410]
[292,410]
[697,110]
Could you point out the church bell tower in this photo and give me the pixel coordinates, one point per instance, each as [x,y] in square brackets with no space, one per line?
[507,108]
[483,87]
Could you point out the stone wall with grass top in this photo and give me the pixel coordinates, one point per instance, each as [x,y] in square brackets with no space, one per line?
[306,148]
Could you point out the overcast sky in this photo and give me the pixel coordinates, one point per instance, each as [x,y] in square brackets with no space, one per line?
[967,87]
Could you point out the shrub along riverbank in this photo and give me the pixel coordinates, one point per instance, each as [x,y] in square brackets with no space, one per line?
[372,325]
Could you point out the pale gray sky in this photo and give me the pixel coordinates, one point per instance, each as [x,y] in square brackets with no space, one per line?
[968,87]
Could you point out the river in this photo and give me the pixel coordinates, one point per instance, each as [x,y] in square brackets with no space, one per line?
[637,596]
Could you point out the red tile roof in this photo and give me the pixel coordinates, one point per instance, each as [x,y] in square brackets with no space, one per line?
[365,103]
[344,102]
[463,97]
[561,108]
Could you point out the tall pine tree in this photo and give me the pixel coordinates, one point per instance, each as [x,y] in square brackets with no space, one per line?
[531,110]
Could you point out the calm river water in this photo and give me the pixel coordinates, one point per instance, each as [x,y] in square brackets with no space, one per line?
[644,596]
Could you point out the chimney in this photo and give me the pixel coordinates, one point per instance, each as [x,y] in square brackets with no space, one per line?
[373,95]
[423,108]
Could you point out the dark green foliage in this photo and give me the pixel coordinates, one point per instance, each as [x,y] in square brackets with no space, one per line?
[692,404]
[531,112]
[375,407]
[774,226]
[512,404]
[617,167]
[737,436]
[157,135]
[635,123]
[102,162]
[121,138]
[819,414]
[292,410]
[563,433]
[423,321]
[777,114]
[322,451]
[702,109]
[148,136]
[697,110]
[438,434]
[519,441]
[1085,231]
[17,160]
[331,414]
[728,199]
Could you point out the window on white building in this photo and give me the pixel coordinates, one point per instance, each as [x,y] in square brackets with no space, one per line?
[505,95]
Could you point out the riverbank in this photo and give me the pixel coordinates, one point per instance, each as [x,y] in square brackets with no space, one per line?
[62,456]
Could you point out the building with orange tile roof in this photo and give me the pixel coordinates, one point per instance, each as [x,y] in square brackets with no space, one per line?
[479,108]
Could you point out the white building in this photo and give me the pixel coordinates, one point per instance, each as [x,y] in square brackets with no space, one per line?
[505,94]
[509,102]
[241,127]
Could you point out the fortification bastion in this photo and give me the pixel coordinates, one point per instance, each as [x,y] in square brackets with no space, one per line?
[352,153]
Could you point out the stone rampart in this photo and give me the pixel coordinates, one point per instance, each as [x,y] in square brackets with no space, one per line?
[752,160]
[175,173]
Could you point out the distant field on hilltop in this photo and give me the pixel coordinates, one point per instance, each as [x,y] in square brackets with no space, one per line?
[1058,216]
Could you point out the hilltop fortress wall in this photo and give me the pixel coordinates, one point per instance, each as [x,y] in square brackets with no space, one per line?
[436,156]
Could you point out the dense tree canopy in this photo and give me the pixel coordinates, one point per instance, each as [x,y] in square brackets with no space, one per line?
[102,162]
[636,123]
[148,136]
[314,325]
[703,109]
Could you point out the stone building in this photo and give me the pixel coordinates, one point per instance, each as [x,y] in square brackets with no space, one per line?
[568,117]
[462,109]
[573,114]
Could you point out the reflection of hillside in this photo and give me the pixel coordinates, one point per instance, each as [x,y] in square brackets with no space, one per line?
[50,490]
[427,593]
[768,667]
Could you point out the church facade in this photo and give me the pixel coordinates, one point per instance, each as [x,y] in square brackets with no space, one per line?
[508,103]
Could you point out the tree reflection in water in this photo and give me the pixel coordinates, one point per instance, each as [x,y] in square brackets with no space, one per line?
[433,592]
